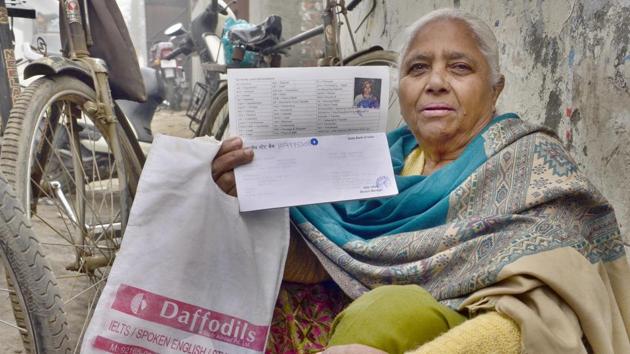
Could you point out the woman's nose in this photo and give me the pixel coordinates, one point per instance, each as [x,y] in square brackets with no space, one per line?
[437,82]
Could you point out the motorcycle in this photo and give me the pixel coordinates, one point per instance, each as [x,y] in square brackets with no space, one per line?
[203,38]
[172,73]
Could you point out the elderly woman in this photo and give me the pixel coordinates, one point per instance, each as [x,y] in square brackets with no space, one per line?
[496,242]
[366,99]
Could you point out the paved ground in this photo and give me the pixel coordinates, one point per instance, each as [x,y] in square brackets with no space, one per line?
[165,122]
[171,123]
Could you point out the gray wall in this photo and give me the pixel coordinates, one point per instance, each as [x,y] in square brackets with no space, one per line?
[567,65]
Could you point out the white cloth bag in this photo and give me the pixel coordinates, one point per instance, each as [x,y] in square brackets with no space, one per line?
[193,274]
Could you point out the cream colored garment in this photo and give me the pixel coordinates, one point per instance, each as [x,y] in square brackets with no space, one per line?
[557,297]
[487,333]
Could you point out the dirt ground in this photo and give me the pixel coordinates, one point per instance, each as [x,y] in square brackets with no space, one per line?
[165,122]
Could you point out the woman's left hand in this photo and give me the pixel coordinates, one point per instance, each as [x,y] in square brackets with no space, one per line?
[352,349]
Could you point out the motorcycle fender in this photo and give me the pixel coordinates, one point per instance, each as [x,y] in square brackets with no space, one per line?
[58,65]
[214,47]
[361,52]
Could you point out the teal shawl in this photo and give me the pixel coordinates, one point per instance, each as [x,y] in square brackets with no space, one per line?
[422,201]
[513,192]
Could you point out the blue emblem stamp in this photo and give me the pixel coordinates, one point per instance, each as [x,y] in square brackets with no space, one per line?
[382,182]
[314,141]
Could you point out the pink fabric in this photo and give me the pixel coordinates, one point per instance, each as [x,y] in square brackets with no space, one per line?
[303,316]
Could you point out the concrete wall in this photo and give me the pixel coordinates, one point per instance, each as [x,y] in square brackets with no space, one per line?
[567,65]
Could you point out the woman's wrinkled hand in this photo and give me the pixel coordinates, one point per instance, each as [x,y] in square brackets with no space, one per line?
[230,155]
[352,349]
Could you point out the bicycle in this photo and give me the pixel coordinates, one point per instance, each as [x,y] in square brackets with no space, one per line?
[77,196]
[262,42]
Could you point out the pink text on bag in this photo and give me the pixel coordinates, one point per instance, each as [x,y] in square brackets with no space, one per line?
[190,318]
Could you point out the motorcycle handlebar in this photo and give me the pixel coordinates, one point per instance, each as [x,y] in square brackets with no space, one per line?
[353,4]
[175,53]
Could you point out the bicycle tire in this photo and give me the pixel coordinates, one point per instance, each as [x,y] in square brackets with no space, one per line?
[216,118]
[390,59]
[91,179]
[32,291]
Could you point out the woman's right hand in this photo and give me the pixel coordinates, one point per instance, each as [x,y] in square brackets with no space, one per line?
[230,155]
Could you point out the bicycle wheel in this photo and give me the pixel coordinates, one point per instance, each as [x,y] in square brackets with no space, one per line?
[390,59]
[216,120]
[76,188]
[32,319]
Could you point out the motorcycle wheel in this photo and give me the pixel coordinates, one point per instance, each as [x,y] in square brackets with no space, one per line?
[31,312]
[76,188]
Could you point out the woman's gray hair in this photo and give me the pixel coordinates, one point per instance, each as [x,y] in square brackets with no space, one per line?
[484,36]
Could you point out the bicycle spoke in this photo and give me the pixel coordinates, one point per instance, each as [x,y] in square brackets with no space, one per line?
[95,214]
[85,290]
[54,150]
[98,173]
[89,205]
[22,330]
[67,245]
[74,281]
[105,231]
[7,291]
[91,308]
[104,201]
[78,275]
[61,212]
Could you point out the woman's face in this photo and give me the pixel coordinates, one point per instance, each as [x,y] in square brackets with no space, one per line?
[367,89]
[446,96]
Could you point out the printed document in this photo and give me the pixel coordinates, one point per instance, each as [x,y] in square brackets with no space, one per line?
[318,134]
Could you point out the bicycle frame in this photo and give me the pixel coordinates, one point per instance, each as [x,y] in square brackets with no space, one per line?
[330,28]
